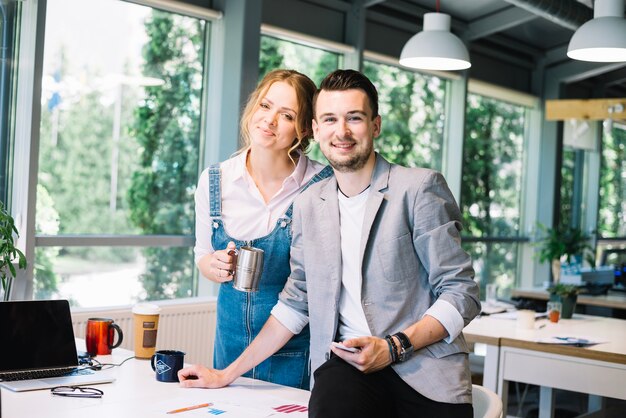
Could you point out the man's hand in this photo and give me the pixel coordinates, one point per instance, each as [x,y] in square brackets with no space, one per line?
[374,354]
[198,376]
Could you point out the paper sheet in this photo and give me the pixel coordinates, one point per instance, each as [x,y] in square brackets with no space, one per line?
[235,401]
[513,315]
[569,340]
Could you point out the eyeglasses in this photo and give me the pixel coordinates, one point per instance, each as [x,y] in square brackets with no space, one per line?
[77,392]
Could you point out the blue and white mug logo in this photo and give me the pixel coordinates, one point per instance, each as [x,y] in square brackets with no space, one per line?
[162,367]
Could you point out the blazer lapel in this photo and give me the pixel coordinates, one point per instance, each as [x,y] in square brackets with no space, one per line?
[380,181]
[331,231]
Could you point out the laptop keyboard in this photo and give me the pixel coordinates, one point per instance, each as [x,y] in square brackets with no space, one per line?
[42,374]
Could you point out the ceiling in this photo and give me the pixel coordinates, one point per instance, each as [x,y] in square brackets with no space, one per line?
[532,34]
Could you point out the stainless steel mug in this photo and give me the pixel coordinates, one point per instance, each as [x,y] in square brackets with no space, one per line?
[249,268]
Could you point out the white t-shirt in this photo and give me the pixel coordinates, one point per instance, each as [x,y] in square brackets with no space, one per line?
[352,321]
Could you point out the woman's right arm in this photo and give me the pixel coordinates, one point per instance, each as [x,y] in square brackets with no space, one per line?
[216,266]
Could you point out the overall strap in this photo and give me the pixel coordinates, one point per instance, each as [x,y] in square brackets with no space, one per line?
[325,173]
[215,191]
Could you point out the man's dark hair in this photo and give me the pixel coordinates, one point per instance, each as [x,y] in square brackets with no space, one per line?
[340,80]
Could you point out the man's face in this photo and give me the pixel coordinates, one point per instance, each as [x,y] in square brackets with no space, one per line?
[344,128]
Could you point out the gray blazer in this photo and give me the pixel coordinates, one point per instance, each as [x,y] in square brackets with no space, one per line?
[411,256]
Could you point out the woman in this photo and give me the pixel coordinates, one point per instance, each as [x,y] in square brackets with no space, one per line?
[247,200]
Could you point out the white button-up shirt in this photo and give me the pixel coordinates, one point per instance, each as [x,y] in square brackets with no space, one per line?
[245,214]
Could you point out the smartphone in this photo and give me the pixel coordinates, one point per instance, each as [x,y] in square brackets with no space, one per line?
[344,348]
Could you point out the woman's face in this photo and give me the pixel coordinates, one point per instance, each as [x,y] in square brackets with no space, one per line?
[273,123]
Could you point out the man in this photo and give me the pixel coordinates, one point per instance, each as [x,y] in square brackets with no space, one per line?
[376,263]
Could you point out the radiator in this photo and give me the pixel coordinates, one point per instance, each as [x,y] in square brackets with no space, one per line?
[185,324]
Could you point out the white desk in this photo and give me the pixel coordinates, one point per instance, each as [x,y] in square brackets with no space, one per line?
[512,355]
[613,299]
[137,394]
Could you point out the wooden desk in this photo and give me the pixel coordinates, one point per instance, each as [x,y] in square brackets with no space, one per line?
[513,355]
[137,394]
[613,300]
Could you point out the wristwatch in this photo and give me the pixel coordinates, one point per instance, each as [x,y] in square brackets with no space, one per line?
[406,348]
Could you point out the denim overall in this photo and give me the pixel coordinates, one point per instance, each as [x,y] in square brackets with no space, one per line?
[241,315]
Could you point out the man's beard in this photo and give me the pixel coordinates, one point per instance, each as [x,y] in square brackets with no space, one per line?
[354,163]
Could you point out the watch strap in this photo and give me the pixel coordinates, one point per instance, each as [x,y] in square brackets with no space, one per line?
[406,348]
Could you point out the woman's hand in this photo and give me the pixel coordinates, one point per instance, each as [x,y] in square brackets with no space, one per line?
[219,267]
[198,376]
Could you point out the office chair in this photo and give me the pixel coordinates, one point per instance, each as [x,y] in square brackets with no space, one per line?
[486,403]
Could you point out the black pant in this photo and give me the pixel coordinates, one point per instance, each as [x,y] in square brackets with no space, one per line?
[342,391]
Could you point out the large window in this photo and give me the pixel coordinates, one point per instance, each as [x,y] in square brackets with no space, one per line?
[612,212]
[491,189]
[119,150]
[413,109]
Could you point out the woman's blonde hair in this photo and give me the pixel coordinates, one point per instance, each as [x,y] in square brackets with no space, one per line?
[305,89]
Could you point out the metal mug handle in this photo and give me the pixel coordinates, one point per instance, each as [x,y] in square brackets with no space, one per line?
[120,335]
[233,253]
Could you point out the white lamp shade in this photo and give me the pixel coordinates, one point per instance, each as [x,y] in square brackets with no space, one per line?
[602,39]
[435,48]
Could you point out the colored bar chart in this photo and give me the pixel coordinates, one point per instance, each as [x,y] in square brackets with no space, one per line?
[286,409]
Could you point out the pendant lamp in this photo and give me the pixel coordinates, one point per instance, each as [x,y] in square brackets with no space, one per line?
[603,38]
[435,48]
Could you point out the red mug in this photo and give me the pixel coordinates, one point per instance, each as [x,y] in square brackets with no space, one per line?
[99,337]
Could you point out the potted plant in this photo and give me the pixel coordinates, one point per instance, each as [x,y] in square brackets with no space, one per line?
[562,244]
[567,294]
[10,256]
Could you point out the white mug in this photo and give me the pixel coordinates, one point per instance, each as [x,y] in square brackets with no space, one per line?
[525,319]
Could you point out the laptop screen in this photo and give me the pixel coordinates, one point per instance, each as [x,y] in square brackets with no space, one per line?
[36,334]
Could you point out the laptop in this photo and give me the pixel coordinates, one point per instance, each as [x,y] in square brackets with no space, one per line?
[37,339]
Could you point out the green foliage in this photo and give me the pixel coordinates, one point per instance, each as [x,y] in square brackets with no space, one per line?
[491,183]
[167,130]
[492,167]
[568,163]
[277,53]
[270,57]
[564,290]
[327,64]
[9,254]
[555,243]
[76,167]
[46,280]
[412,109]
[612,211]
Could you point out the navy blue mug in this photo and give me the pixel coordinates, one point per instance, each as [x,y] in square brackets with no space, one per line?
[166,364]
